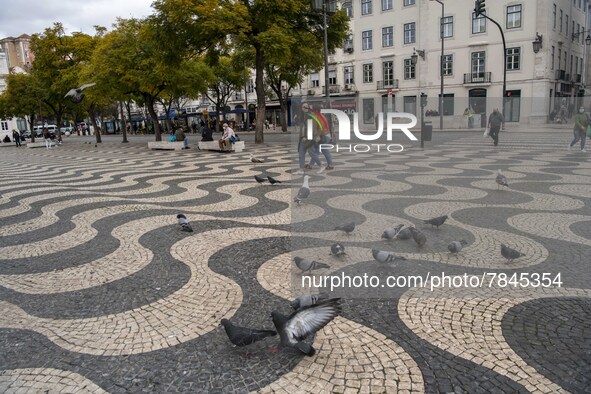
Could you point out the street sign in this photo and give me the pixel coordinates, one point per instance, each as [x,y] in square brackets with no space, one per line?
[389,92]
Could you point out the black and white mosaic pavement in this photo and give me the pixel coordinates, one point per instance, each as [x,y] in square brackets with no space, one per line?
[100,291]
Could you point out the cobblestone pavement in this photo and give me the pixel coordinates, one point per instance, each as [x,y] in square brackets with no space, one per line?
[100,291]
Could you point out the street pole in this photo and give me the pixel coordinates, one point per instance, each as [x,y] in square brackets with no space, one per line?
[324,28]
[441,64]
[504,61]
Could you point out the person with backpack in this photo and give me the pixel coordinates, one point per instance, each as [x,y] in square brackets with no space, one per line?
[580,129]
[16,137]
[495,120]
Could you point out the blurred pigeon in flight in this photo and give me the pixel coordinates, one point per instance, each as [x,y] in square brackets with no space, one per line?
[510,254]
[337,249]
[418,237]
[385,257]
[308,300]
[272,180]
[184,222]
[255,160]
[309,265]
[347,228]
[438,221]
[456,247]
[260,179]
[501,179]
[304,191]
[390,233]
[76,94]
[293,329]
[242,336]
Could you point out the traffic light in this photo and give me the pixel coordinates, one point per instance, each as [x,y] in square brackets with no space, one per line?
[479,7]
[423,100]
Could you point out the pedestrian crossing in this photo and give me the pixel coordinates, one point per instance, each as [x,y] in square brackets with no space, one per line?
[521,141]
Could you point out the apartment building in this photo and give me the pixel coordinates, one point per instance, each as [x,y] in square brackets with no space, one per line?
[375,71]
[18,51]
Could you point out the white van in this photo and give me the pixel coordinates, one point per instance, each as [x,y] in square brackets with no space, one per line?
[38,130]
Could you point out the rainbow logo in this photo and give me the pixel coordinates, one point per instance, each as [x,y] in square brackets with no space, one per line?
[320,121]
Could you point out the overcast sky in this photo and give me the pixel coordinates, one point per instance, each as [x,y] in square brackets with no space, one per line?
[33,16]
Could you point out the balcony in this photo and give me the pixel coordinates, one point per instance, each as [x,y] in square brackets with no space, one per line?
[483,77]
[333,89]
[561,75]
[577,78]
[385,85]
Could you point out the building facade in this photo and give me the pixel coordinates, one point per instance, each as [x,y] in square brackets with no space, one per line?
[375,70]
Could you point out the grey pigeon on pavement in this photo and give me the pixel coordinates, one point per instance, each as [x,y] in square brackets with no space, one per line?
[308,300]
[347,228]
[510,254]
[184,222]
[385,257]
[272,180]
[76,94]
[456,247]
[309,265]
[304,191]
[293,329]
[337,249]
[438,221]
[404,234]
[390,233]
[242,336]
[501,179]
[255,160]
[418,237]
[260,179]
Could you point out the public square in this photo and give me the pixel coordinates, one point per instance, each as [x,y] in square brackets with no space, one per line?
[101,291]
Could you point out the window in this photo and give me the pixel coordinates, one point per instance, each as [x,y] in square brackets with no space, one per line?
[570,71]
[559,57]
[478,24]
[409,69]
[478,64]
[368,73]
[513,16]
[410,104]
[579,31]
[365,7]
[385,108]
[448,65]
[315,79]
[348,7]
[573,30]
[332,77]
[448,104]
[560,20]
[388,72]
[368,111]
[409,33]
[552,58]
[408,2]
[4,125]
[348,74]
[387,5]
[566,25]
[387,36]
[447,26]
[513,58]
[348,46]
[366,40]
[554,16]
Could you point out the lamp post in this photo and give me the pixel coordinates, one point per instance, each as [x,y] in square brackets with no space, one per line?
[441,63]
[321,5]
[585,55]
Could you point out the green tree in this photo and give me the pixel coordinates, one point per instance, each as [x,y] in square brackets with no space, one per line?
[21,99]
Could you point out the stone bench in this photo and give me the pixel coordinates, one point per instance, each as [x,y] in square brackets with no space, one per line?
[176,145]
[237,146]
[39,144]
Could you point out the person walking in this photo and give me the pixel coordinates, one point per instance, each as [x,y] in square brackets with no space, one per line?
[47,137]
[580,129]
[16,137]
[470,115]
[495,121]
[306,145]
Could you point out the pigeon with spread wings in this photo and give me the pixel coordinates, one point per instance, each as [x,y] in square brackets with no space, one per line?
[76,93]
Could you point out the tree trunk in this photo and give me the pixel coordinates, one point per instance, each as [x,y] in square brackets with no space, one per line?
[32,125]
[283,114]
[150,103]
[97,130]
[124,122]
[260,89]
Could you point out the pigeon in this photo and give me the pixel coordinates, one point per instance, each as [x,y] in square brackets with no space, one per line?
[260,179]
[293,329]
[309,265]
[347,228]
[308,300]
[272,180]
[390,233]
[304,191]
[385,257]
[501,179]
[337,250]
[185,226]
[76,94]
[404,233]
[455,247]
[255,160]
[418,236]
[436,221]
[242,336]
[510,254]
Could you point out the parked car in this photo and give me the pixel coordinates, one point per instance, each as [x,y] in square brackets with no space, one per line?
[25,134]
[39,130]
[66,129]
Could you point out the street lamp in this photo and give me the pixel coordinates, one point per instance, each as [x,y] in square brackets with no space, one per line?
[321,5]
[415,55]
[537,43]
[441,64]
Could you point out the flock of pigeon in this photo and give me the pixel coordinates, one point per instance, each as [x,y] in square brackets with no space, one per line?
[314,311]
